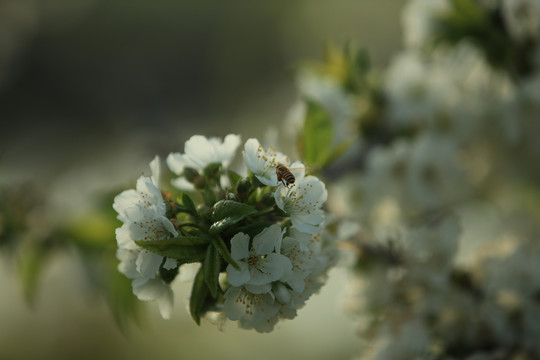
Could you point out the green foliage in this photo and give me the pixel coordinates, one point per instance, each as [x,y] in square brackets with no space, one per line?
[234,178]
[227,213]
[212,268]
[167,275]
[212,171]
[199,296]
[316,140]
[253,228]
[358,66]
[186,249]
[348,66]
[30,268]
[209,197]
[189,205]
[222,248]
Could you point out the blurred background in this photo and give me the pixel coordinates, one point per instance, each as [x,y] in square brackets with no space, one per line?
[91,90]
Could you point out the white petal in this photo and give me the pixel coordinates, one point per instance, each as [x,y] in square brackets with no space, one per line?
[317,191]
[135,213]
[166,303]
[139,281]
[269,179]
[240,246]
[228,149]
[146,186]
[177,162]
[250,153]
[298,169]
[148,263]
[304,239]
[307,223]
[187,272]
[258,289]
[170,264]
[267,240]
[123,238]
[280,196]
[167,225]
[182,184]
[155,167]
[296,281]
[123,201]
[151,290]
[127,265]
[237,278]
[232,306]
[200,151]
[250,308]
[282,294]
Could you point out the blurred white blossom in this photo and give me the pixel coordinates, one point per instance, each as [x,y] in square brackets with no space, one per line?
[522,18]
[419,18]
[199,152]
[143,213]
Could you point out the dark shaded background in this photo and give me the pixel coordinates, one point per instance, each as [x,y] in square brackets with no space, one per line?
[80,79]
[91,90]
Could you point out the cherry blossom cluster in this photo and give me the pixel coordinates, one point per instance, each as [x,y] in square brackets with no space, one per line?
[259,241]
[443,203]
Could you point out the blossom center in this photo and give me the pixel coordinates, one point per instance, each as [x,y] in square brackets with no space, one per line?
[257,261]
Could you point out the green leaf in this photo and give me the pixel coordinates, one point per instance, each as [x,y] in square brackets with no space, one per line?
[212,266]
[227,213]
[337,152]
[199,294]
[188,204]
[191,174]
[224,251]
[231,209]
[167,275]
[31,268]
[253,229]
[212,170]
[183,248]
[316,140]
[209,197]
[233,178]
[220,225]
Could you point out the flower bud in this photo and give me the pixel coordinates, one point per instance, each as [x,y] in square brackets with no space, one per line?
[209,197]
[191,174]
[268,199]
[204,211]
[243,187]
[211,171]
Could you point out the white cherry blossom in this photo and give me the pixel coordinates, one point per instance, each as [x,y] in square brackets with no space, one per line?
[199,152]
[143,212]
[251,310]
[295,247]
[142,266]
[303,201]
[262,162]
[261,263]
[522,17]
